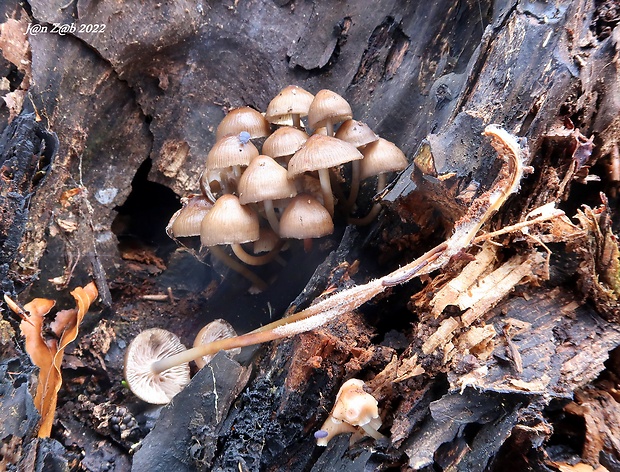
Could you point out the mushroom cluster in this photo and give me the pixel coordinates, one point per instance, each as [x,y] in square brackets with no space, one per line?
[286,189]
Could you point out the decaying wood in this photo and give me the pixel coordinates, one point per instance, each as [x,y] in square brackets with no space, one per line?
[491,335]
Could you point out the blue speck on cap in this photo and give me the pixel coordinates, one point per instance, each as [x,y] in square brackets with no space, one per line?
[244,137]
[320,434]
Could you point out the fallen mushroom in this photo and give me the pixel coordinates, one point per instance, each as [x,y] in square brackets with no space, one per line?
[148,347]
[354,407]
[217,329]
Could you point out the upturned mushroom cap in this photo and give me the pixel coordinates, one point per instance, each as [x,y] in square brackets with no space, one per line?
[284,141]
[231,151]
[243,119]
[150,346]
[321,152]
[357,133]
[291,100]
[217,329]
[354,405]
[381,156]
[305,218]
[264,179]
[229,222]
[186,221]
[328,107]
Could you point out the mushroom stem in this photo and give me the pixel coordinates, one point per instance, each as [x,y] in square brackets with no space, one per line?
[256,260]
[369,218]
[271,216]
[238,267]
[329,128]
[236,170]
[280,329]
[376,208]
[326,189]
[371,429]
[296,120]
[355,183]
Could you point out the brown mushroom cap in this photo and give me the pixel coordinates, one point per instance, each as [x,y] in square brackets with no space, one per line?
[230,151]
[328,107]
[305,218]
[291,100]
[186,221]
[217,329]
[284,141]
[357,133]
[243,119]
[268,240]
[229,222]
[381,156]
[321,152]
[264,179]
[150,346]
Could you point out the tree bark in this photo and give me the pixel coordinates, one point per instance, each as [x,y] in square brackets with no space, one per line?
[145,94]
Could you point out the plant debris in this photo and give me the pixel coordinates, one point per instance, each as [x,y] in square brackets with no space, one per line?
[47,349]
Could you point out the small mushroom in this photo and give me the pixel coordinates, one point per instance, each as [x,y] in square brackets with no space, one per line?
[327,109]
[359,134]
[186,221]
[264,181]
[152,386]
[232,151]
[319,153]
[229,222]
[380,158]
[355,407]
[283,143]
[243,119]
[289,106]
[305,218]
[217,329]
[267,241]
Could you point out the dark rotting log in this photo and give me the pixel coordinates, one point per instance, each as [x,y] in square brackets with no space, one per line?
[27,150]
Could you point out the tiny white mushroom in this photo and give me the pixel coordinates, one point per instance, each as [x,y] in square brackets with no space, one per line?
[354,407]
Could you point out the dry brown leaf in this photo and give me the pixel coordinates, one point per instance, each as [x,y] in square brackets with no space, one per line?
[48,354]
[38,349]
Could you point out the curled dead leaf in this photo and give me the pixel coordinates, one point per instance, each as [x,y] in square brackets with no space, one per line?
[47,354]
